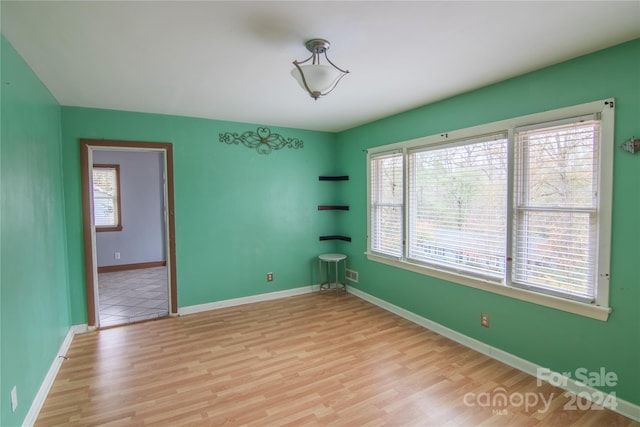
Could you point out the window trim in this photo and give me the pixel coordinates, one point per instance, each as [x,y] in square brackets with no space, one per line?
[118,226]
[600,308]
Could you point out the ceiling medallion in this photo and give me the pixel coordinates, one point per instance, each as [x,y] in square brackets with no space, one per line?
[262,140]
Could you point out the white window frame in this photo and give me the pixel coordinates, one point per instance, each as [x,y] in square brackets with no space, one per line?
[599,308]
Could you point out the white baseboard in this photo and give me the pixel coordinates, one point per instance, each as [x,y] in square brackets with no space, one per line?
[43,391]
[246,300]
[622,407]
[79,329]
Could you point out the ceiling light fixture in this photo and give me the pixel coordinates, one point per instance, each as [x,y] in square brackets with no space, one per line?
[315,78]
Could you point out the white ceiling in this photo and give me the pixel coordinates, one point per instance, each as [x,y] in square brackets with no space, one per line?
[231,60]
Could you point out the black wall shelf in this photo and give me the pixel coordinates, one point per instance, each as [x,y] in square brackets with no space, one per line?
[336,237]
[333,178]
[334,207]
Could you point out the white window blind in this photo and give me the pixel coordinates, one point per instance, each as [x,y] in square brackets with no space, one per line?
[387,203]
[519,207]
[457,205]
[556,208]
[105,196]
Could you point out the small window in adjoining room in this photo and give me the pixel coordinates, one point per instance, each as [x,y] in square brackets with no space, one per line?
[106,198]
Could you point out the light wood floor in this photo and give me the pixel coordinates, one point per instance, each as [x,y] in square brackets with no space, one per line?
[316,359]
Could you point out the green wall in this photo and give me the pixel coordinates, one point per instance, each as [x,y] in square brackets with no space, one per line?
[555,339]
[35,307]
[239,214]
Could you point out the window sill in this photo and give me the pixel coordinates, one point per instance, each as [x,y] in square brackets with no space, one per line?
[100,229]
[575,307]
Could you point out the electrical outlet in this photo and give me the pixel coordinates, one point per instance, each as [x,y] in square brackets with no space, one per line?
[485,320]
[14,399]
[116,255]
[269,277]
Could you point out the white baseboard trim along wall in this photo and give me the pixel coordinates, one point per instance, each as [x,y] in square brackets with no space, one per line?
[43,391]
[247,300]
[612,402]
[616,404]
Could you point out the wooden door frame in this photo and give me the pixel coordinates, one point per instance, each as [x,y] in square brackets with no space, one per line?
[167,149]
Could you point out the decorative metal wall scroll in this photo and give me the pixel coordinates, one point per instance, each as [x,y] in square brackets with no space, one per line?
[262,140]
[631,145]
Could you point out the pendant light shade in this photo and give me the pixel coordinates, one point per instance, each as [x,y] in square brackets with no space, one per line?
[320,78]
[317,79]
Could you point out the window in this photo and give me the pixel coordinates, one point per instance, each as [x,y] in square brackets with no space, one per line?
[520,207]
[555,218]
[458,205]
[387,203]
[106,198]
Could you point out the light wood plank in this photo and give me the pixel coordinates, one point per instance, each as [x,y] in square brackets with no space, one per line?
[315,359]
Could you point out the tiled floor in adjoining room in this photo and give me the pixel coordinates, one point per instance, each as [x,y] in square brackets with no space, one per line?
[132,295]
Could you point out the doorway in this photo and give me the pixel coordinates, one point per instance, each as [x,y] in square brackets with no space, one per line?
[116,285]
